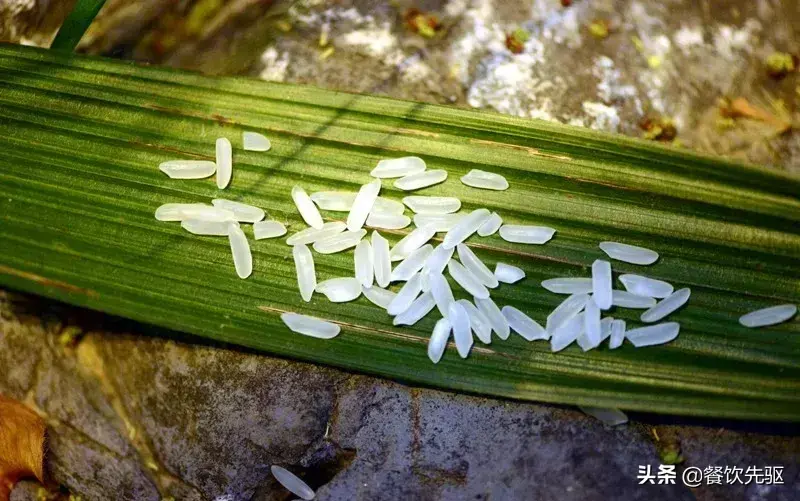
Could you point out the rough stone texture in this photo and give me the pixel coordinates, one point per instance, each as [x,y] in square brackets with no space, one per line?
[133,416]
[145,418]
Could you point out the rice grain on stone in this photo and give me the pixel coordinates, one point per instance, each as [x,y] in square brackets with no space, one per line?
[292,483]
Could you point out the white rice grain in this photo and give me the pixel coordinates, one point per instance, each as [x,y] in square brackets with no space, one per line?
[617,334]
[462,333]
[522,234]
[508,274]
[491,225]
[416,311]
[292,483]
[253,141]
[412,264]
[208,213]
[380,255]
[363,205]
[304,268]
[496,318]
[666,305]
[601,283]
[243,213]
[340,201]
[605,328]
[411,242]
[438,259]
[643,286]
[387,206]
[177,212]
[268,229]
[609,416]
[398,167]
[224,162]
[308,211]
[208,228]
[438,341]
[629,253]
[768,316]
[524,325]
[421,180]
[388,221]
[476,266]
[188,169]
[653,334]
[406,295]
[591,325]
[339,290]
[377,296]
[240,249]
[340,242]
[568,308]
[439,222]
[442,293]
[485,180]
[568,285]
[364,265]
[625,299]
[467,280]
[311,235]
[477,321]
[432,205]
[465,227]
[567,333]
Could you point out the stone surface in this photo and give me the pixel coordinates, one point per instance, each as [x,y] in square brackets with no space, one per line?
[137,416]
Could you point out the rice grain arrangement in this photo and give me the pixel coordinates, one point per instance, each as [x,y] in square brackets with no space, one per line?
[485,180]
[577,319]
[224,163]
[421,180]
[292,483]
[188,169]
[398,167]
[609,416]
[253,141]
[768,316]
[629,253]
[308,211]
[240,249]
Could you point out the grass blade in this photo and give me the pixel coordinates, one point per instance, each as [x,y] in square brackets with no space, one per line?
[76,24]
[82,139]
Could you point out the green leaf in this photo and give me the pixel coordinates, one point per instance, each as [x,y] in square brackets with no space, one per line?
[76,24]
[82,139]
